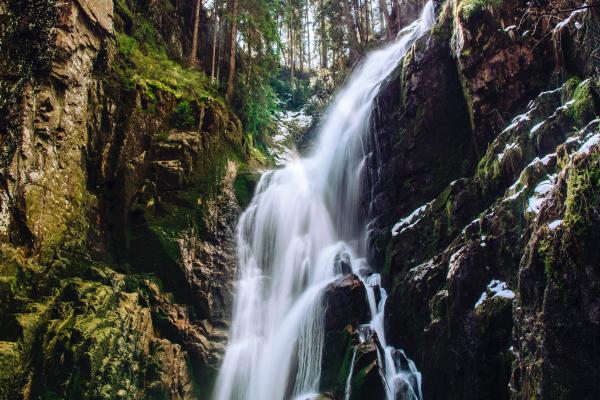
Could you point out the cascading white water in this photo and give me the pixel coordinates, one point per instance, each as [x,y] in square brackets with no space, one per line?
[300,219]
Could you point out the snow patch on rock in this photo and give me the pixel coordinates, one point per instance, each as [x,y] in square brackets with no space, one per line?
[495,288]
[410,221]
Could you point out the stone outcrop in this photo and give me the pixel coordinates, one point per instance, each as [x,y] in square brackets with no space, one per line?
[481,136]
[119,198]
[346,308]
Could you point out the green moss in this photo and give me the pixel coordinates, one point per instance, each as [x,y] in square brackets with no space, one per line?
[155,243]
[183,116]
[584,107]
[548,252]
[469,8]
[444,26]
[148,65]
[11,380]
[244,184]
[438,304]
[568,89]
[583,195]
[488,167]
[336,360]
[365,364]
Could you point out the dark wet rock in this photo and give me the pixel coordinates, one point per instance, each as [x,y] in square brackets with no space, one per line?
[413,134]
[472,265]
[345,303]
[366,379]
[116,225]
[346,308]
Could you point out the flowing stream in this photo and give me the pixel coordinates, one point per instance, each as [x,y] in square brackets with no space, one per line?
[301,218]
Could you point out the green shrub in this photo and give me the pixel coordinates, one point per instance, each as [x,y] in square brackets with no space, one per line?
[183,116]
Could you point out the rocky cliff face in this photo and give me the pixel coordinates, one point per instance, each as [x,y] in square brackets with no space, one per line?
[483,201]
[120,191]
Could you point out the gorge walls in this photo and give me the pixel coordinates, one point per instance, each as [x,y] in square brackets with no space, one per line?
[121,186]
[482,183]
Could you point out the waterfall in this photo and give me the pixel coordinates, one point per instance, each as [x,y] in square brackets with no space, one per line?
[301,217]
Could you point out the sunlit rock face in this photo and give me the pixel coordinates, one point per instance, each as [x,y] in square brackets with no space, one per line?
[469,198]
[117,223]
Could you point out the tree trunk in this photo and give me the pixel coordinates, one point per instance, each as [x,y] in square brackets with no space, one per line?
[367,21]
[352,40]
[381,20]
[291,42]
[324,61]
[388,20]
[195,35]
[220,54]
[372,18]
[357,20]
[214,43]
[396,13]
[280,55]
[307,18]
[232,48]
[300,38]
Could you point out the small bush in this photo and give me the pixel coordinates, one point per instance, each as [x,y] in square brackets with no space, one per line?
[183,116]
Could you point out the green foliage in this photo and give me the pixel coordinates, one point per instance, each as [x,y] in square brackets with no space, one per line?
[468,8]
[292,96]
[183,116]
[143,60]
[152,69]
[258,105]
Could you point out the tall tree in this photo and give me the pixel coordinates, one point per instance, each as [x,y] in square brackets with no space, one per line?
[232,49]
[194,52]
[352,39]
[291,47]
[307,23]
[214,41]
[388,20]
[323,35]
[357,19]
[396,13]
[367,20]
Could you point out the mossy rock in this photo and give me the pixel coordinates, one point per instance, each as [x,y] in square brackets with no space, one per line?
[366,381]
[586,104]
[469,8]
[244,185]
[11,378]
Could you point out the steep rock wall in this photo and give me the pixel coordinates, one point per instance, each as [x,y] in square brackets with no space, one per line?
[120,191]
[470,195]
